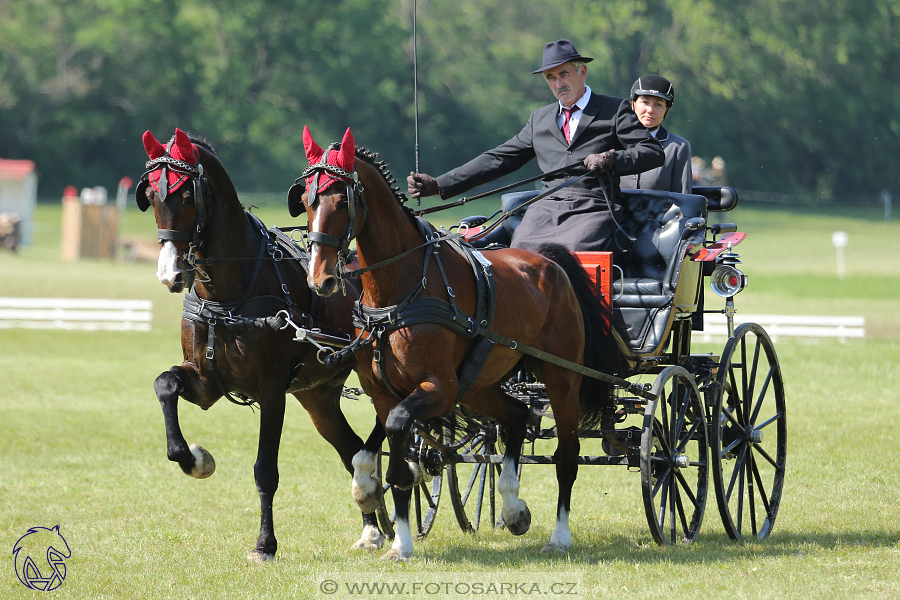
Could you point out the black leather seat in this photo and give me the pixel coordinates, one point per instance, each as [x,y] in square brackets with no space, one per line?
[655,278]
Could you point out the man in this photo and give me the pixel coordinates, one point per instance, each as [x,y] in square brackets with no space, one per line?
[582,129]
[651,98]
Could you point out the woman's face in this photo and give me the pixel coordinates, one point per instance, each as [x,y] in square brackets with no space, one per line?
[650,111]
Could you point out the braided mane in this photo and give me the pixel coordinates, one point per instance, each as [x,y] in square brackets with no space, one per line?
[381,166]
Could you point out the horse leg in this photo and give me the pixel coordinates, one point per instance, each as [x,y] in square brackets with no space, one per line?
[323,406]
[194,459]
[428,400]
[402,547]
[265,471]
[562,387]
[513,417]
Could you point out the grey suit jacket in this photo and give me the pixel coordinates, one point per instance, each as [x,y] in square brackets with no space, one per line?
[606,124]
[674,176]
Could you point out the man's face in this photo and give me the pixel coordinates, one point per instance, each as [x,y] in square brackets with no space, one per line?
[650,110]
[566,82]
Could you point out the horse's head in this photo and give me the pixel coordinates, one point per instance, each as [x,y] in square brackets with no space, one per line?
[175,187]
[331,193]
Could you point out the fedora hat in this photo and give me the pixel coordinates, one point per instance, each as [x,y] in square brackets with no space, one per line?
[559,52]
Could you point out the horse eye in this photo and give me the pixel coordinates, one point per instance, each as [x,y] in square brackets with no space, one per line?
[187,198]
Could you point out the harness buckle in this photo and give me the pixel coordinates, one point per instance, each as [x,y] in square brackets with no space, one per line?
[376,355]
[210,352]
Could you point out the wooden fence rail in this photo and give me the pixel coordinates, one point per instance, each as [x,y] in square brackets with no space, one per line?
[76,313]
[811,326]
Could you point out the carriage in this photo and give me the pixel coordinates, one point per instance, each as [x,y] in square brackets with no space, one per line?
[674,415]
[685,420]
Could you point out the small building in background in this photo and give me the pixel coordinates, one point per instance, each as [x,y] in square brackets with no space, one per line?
[18,194]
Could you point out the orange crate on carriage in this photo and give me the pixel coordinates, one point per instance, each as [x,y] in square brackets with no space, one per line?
[599,267]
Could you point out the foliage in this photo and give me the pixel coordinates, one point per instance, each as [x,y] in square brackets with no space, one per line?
[794,96]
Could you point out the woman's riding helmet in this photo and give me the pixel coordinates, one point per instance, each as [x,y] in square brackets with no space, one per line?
[654,85]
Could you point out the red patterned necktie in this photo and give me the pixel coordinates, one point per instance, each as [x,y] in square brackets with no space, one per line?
[567,114]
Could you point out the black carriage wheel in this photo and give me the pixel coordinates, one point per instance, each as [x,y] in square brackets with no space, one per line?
[674,464]
[749,442]
[472,486]
[423,505]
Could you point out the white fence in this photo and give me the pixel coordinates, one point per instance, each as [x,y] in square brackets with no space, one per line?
[76,313]
[810,326]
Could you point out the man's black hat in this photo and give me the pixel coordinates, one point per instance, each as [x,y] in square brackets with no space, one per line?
[560,52]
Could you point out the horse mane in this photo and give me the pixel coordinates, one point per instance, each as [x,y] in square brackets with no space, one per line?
[198,140]
[381,166]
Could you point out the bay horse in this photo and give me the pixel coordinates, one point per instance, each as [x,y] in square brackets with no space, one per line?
[418,367]
[242,287]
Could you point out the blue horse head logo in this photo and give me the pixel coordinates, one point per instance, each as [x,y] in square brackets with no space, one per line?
[40,556]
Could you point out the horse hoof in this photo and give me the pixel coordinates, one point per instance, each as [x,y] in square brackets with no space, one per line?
[372,539]
[552,547]
[204,463]
[418,474]
[259,557]
[519,523]
[394,555]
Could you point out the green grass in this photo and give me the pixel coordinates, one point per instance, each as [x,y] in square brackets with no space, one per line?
[83,446]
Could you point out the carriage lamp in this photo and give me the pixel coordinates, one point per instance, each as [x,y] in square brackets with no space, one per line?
[727,280]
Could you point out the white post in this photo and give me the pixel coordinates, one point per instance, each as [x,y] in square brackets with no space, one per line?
[839,239]
[886,197]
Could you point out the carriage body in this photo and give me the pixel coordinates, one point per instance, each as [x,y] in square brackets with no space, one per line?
[718,421]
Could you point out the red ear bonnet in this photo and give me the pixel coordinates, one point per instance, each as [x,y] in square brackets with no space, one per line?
[343,158]
[180,149]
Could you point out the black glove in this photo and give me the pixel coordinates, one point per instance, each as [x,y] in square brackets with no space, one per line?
[420,185]
[600,162]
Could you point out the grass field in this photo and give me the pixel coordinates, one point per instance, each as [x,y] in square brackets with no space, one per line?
[82,445]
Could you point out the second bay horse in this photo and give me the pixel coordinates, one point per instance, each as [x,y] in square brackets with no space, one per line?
[418,368]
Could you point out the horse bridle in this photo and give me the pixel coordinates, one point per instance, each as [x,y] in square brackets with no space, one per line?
[201,195]
[354,198]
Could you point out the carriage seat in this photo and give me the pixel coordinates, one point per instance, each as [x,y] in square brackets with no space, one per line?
[665,226]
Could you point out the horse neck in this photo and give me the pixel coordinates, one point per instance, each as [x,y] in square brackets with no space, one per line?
[228,233]
[388,232]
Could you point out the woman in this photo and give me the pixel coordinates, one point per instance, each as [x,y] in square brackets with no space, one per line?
[651,98]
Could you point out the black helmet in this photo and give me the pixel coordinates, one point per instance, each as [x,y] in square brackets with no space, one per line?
[653,85]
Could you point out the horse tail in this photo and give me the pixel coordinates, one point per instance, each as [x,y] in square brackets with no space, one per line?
[600,350]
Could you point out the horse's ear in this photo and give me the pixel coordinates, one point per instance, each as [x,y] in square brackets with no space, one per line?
[348,152]
[154,148]
[140,195]
[183,149]
[313,151]
[295,198]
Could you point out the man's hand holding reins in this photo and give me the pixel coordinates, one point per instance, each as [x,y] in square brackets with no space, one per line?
[421,185]
[600,162]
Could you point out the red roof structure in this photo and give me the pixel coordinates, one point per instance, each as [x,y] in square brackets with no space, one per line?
[16,170]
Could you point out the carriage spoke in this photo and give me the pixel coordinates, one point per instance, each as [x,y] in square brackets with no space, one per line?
[762,395]
[687,489]
[767,457]
[471,484]
[748,397]
[738,466]
[663,477]
[478,506]
[663,497]
[681,514]
[686,439]
[751,497]
[673,522]
[759,485]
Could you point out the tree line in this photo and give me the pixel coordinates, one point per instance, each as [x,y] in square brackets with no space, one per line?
[795,97]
